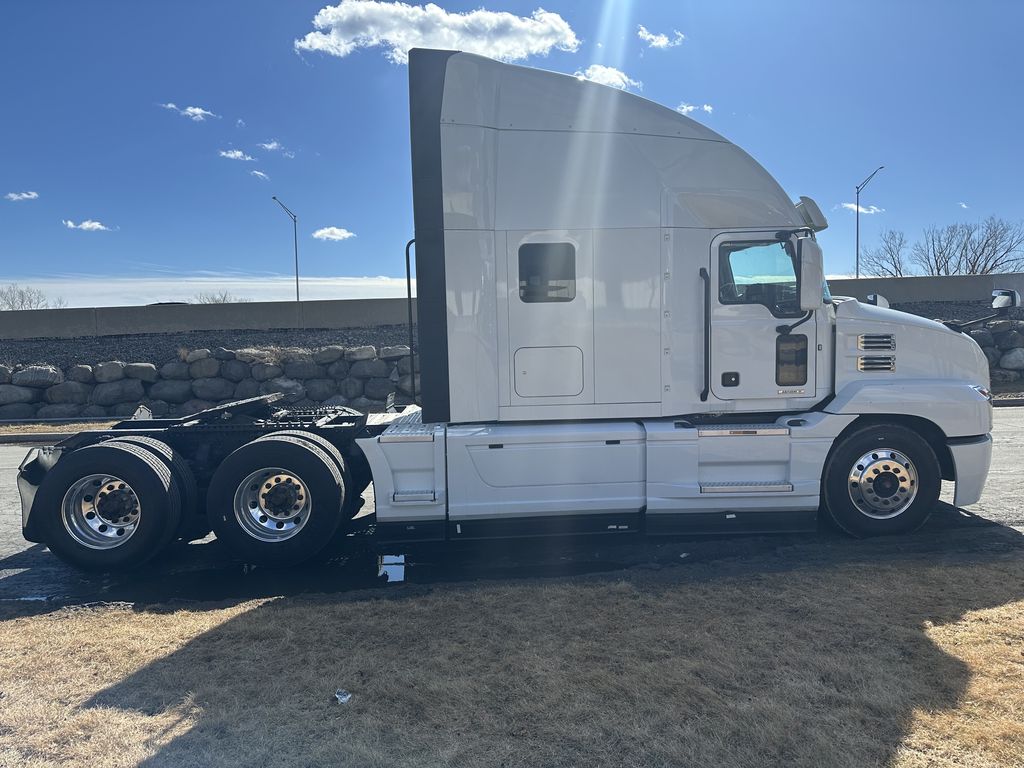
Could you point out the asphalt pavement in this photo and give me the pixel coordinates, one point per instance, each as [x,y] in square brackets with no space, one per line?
[205,571]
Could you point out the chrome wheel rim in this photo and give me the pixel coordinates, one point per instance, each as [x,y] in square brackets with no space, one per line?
[883,483]
[272,504]
[101,511]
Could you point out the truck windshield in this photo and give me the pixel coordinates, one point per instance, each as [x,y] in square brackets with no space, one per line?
[761,272]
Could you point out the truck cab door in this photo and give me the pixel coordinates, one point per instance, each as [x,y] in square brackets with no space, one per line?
[755,299]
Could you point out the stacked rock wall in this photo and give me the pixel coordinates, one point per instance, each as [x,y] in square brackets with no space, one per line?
[1002,341]
[353,373]
[361,377]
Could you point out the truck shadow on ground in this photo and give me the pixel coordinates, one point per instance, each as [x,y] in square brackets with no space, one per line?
[204,571]
[816,653]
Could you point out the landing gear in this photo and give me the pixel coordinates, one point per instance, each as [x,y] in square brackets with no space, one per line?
[882,479]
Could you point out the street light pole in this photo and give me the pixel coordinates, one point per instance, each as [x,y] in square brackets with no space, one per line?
[295,233]
[857,208]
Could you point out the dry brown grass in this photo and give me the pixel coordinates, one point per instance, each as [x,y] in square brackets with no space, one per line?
[28,429]
[882,663]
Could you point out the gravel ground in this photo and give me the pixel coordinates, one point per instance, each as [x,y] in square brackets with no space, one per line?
[163,347]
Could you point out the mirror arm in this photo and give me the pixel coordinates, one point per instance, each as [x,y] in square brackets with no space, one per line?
[961,327]
[785,330]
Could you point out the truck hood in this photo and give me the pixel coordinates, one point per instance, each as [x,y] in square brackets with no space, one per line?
[922,348]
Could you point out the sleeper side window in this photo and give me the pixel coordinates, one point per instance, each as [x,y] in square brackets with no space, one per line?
[547,272]
[759,273]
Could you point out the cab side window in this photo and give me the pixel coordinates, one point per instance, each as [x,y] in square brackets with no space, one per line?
[547,272]
[759,273]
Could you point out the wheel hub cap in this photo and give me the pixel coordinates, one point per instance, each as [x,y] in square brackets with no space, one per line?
[883,483]
[100,511]
[272,504]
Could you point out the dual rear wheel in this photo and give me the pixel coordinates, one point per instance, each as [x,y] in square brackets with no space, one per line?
[109,506]
[280,499]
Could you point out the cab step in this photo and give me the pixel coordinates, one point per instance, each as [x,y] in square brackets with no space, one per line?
[755,486]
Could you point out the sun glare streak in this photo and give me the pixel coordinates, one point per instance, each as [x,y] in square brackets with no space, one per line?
[587,154]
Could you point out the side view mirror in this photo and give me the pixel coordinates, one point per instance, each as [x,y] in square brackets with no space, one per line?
[812,274]
[1005,299]
[877,299]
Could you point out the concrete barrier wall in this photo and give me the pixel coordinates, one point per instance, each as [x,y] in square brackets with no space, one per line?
[174,318]
[363,313]
[909,290]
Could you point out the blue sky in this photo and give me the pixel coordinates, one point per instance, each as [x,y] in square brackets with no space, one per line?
[820,93]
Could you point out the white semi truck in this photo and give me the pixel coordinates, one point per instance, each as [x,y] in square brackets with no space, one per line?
[624,328]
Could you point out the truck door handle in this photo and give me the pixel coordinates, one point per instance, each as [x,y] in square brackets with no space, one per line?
[707,334]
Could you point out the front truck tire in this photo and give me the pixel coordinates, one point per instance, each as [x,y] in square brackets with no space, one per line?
[881,479]
[276,501]
[108,507]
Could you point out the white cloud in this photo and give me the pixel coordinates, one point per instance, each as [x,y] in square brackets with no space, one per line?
[276,146]
[236,154]
[239,123]
[397,27]
[197,114]
[685,109]
[660,40]
[333,233]
[259,175]
[963,205]
[616,78]
[88,225]
[870,209]
[15,197]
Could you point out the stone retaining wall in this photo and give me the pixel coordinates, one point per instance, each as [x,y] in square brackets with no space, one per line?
[353,373]
[1002,341]
[361,377]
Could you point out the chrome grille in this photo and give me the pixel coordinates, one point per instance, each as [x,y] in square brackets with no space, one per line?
[876,363]
[876,341]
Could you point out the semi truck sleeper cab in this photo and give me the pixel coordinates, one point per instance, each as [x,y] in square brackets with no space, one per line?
[623,327]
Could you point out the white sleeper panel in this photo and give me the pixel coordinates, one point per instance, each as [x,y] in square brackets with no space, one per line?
[468,168]
[627,315]
[501,471]
[472,309]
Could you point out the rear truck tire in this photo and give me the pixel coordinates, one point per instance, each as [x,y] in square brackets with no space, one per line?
[881,479]
[276,501]
[350,500]
[194,524]
[108,507]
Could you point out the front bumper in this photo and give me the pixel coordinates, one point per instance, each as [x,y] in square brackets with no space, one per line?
[972,457]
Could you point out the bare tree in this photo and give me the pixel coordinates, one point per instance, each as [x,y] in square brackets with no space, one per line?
[14,297]
[993,245]
[889,259]
[221,297]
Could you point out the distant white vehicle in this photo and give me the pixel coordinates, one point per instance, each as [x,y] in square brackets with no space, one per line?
[624,327]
